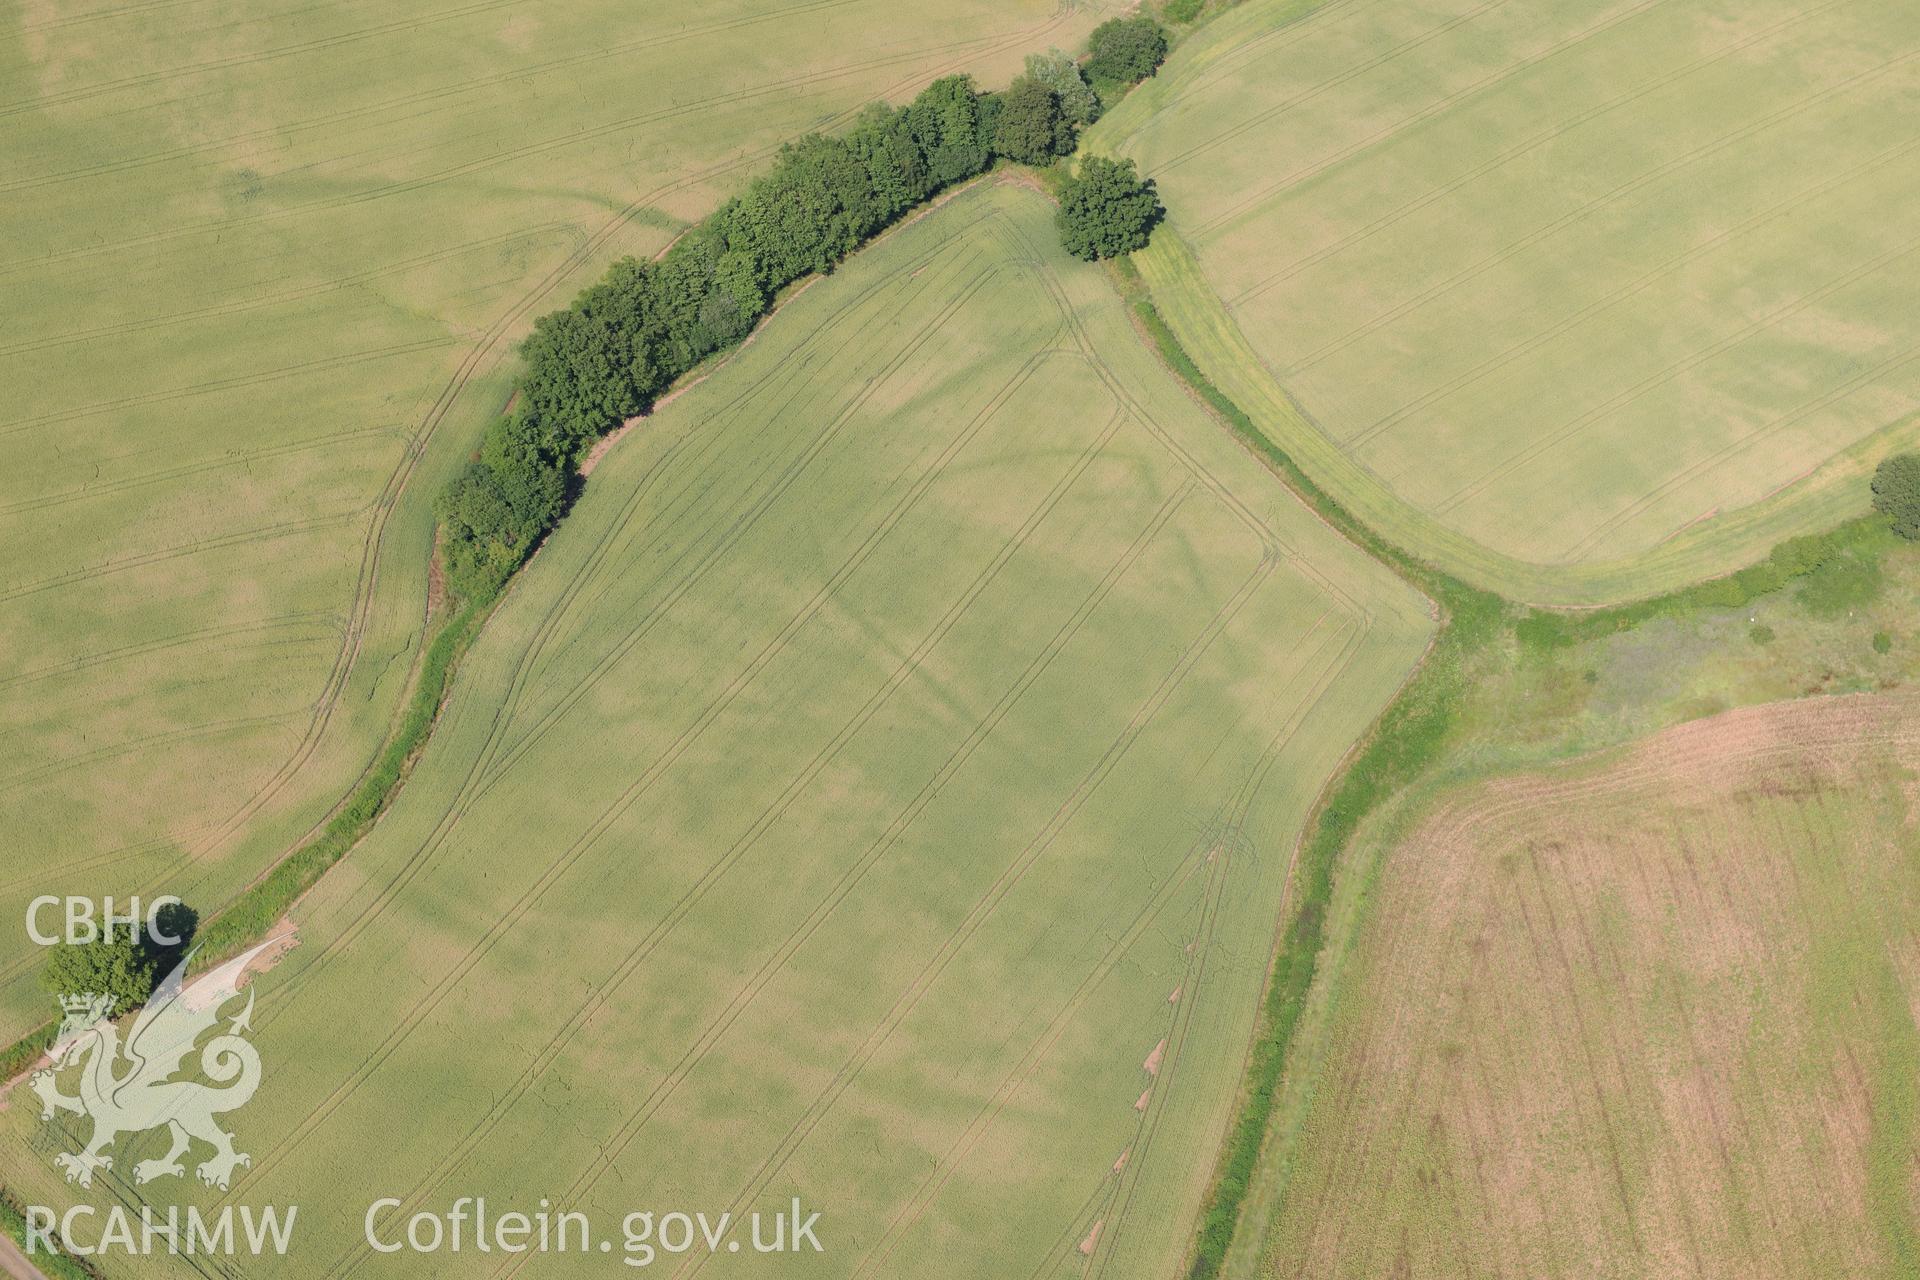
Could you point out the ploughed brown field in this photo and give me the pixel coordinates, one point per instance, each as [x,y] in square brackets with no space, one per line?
[1650,1014]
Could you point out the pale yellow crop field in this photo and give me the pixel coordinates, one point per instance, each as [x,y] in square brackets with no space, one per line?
[1582,301]
[880,790]
[261,267]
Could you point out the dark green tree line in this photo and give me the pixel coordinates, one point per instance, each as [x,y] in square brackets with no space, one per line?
[628,337]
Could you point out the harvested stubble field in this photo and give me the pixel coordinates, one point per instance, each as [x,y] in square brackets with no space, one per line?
[1583,300]
[262,265]
[898,749]
[1647,1015]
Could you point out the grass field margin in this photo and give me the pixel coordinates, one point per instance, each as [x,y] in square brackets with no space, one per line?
[1402,742]
[56,1266]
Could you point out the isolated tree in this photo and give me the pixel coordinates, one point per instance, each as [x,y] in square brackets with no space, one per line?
[1896,492]
[1106,210]
[1032,128]
[120,968]
[1057,70]
[1126,49]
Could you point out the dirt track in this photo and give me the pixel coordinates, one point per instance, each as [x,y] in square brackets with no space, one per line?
[14,1263]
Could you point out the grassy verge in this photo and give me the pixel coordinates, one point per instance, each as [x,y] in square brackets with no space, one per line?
[1832,495]
[56,1266]
[19,1055]
[1840,562]
[1449,591]
[246,919]
[1404,742]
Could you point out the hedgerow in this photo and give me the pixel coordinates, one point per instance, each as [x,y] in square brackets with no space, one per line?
[1837,551]
[25,1051]
[248,918]
[621,344]
[262,904]
[625,340]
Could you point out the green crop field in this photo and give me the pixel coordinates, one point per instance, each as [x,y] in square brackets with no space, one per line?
[1646,1015]
[879,790]
[1581,300]
[262,265]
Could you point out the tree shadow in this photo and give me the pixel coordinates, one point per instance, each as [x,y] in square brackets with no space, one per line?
[175,921]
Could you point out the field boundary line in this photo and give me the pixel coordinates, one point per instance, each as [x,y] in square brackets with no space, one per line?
[1220,841]
[1035,668]
[1308,709]
[480,779]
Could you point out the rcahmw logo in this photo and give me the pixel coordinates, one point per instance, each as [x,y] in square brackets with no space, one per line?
[172,1230]
[129,1089]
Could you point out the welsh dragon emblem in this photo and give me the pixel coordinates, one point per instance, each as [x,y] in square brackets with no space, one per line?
[130,1088]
